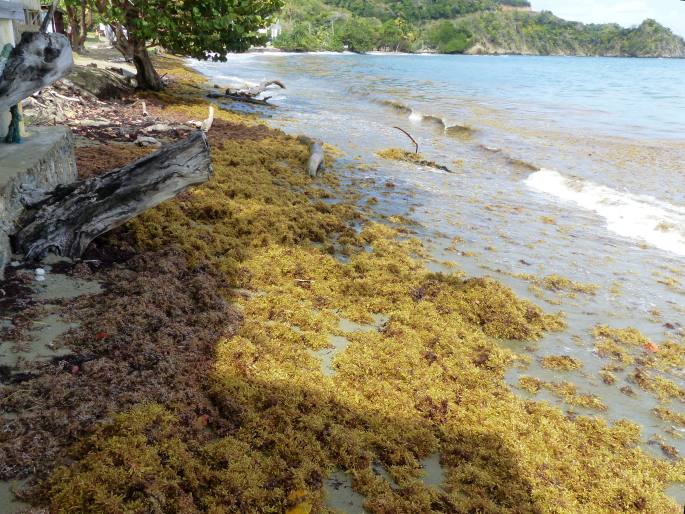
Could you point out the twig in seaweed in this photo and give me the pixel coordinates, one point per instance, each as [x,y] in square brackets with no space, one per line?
[412,139]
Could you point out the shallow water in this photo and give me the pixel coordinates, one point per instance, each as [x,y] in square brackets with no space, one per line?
[340,497]
[41,344]
[568,166]
[338,343]
[8,503]
[434,473]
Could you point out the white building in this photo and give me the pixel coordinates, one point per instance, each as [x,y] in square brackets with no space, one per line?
[276,30]
[16,16]
[273,31]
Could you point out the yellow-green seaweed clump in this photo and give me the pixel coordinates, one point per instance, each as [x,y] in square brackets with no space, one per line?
[429,380]
[566,391]
[140,462]
[558,283]
[663,388]
[561,363]
[530,384]
[670,355]
[501,314]
[669,415]
[624,336]
[617,343]
[608,376]
[397,154]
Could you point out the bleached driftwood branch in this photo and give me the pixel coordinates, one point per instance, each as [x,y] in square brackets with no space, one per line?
[37,61]
[317,156]
[67,219]
[255,90]
[316,159]
[249,94]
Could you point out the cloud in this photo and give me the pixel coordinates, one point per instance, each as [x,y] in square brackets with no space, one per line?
[624,12]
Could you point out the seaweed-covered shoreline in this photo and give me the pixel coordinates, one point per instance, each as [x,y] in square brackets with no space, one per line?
[196,385]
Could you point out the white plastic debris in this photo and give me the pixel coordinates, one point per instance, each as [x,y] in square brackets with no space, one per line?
[40,272]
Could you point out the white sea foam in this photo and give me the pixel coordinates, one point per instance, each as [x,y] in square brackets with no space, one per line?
[415,116]
[638,217]
[235,82]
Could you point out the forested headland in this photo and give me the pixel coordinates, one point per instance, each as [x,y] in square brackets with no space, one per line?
[462,26]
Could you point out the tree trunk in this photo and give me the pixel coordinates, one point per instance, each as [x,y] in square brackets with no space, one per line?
[78,25]
[67,219]
[121,42]
[146,75]
[84,25]
[74,29]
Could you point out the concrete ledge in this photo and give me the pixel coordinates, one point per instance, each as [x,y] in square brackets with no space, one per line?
[45,160]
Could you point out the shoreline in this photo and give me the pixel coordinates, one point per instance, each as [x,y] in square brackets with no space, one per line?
[241,282]
[276,51]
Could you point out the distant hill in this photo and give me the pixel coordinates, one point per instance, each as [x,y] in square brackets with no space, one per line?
[462,26]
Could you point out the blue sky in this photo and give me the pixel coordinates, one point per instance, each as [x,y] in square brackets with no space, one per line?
[625,12]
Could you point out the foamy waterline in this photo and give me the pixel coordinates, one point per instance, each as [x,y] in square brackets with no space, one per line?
[638,217]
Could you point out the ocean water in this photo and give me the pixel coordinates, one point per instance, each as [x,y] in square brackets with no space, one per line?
[568,166]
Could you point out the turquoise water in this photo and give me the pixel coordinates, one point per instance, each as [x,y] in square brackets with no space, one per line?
[568,166]
[623,97]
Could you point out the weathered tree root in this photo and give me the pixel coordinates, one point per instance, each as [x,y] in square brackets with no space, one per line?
[67,219]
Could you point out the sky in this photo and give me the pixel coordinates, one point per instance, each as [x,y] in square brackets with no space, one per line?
[670,13]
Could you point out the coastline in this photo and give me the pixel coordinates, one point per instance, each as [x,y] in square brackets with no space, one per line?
[503,53]
[276,264]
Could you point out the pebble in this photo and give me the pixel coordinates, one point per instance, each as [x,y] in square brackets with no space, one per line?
[147,141]
[40,272]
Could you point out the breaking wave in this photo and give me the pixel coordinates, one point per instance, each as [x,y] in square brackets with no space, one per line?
[645,218]
[450,129]
[400,107]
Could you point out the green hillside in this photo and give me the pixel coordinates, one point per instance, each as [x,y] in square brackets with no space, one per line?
[462,26]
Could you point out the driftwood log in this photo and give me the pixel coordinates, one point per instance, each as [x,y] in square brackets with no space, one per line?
[317,156]
[67,219]
[249,94]
[255,90]
[37,61]
[238,98]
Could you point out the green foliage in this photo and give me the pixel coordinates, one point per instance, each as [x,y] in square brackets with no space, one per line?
[457,26]
[421,10]
[204,29]
[360,34]
[397,35]
[300,38]
[544,33]
[448,39]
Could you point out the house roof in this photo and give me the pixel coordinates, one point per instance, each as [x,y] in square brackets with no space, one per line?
[11,11]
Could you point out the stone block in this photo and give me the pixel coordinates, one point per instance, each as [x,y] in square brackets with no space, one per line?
[45,160]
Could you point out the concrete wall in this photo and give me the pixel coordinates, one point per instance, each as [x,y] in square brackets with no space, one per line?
[6,36]
[6,32]
[44,161]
